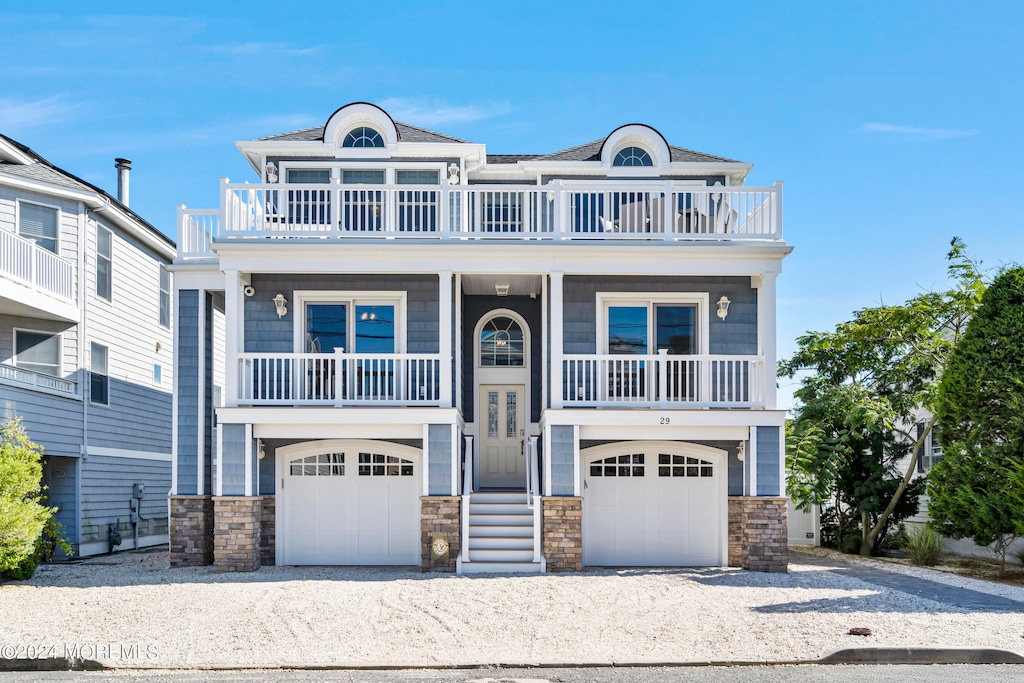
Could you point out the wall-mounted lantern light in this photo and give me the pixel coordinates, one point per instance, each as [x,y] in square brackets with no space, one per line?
[271,173]
[453,174]
[281,304]
[723,307]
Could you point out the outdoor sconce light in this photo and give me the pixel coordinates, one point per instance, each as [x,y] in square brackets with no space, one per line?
[261,450]
[741,451]
[453,174]
[723,307]
[281,304]
[271,173]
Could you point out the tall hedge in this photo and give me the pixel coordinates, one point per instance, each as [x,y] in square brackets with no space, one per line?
[23,514]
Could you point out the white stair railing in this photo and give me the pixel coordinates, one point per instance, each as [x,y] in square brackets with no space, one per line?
[467,490]
[532,489]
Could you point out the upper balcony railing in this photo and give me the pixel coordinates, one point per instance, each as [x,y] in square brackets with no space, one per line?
[37,380]
[560,210]
[26,262]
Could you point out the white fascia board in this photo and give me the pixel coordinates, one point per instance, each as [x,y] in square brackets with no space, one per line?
[365,418]
[652,419]
[482,257]
[594,168]
[212,280]
[316,148]
[100,205]
[12,153]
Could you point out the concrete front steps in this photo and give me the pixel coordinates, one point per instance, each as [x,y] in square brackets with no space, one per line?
[500,534]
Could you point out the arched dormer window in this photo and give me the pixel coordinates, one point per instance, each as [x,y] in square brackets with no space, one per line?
[363,137]
[632,156]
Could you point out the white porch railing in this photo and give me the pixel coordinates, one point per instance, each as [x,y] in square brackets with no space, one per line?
[26,262]
[663,380]
[339,379]
[560,210]
[533,492]
[37,380]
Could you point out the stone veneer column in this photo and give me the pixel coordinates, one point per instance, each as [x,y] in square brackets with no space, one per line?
[191,531]
[268,532]
[765,534]
[562,533]
[236,533]
[736,551]
[440,515]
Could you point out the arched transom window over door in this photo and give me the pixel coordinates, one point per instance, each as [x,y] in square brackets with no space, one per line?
[501,343]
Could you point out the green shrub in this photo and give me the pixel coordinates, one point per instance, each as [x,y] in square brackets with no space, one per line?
[27,529]
[924,546]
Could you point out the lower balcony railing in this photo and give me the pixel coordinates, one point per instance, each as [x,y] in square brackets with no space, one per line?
[663,380]
[37,380]
[339,379]
[26,262]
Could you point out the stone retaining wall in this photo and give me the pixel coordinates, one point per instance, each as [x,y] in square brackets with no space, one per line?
[440,515]
[236,533]
[562,533]
[191,531]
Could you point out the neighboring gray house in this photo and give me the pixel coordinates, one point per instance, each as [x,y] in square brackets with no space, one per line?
[86,347]
[396,348]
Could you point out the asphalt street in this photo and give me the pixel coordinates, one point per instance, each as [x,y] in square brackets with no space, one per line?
[746,674]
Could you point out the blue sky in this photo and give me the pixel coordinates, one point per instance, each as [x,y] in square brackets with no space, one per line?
[894,125]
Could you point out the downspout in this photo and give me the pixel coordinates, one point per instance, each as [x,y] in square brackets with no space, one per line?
[83,237]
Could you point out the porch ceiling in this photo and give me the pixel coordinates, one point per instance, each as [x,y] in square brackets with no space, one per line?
[518,285]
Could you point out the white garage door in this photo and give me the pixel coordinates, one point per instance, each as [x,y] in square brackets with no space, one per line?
[345,502]
[655,505]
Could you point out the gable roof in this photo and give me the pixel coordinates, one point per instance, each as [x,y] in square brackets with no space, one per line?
[406,132]
[591,151]
[41,170]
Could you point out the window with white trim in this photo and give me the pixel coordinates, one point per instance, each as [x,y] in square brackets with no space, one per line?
[931,452]
[363,137]
[670,465]
[380,465]
[165,296]
[632,156]
[319,465]
[502,343]
[99,378]
[37,352]
[356,324]
[635,324]
[631,465]
[104,263]
[39,224]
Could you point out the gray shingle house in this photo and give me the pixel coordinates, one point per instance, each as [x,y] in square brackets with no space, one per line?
[396,348]
[86,347]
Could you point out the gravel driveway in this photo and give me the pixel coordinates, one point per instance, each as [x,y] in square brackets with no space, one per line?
[338,616]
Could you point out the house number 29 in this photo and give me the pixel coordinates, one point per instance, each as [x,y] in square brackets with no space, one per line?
[666,420]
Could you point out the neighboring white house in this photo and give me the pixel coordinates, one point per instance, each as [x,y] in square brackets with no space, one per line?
[86,350]
[396,348]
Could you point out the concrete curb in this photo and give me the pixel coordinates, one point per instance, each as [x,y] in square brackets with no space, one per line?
[865,655]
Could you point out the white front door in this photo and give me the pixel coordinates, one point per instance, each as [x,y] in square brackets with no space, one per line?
[502,431]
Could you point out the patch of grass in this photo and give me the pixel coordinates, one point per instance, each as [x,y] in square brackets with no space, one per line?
[924,546]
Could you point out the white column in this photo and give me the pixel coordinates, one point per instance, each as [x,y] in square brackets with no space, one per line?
[233,325]
[557,322]
[459,378]
[444,316]
[248,460]
[766,336]
[752,462]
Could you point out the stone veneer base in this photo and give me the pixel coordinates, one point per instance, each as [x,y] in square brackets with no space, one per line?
[236,533]
[268,531]
[191,531]
[758,533]
[440,515]
[562,533]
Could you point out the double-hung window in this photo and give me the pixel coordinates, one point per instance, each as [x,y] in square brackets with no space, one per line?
[99,378]
[417,209]
[39,224]
[309,208]
[104,263]
[37,352]
[165,296]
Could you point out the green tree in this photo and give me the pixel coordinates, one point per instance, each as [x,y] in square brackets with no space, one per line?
[23,512]
[975,488]
[862,388]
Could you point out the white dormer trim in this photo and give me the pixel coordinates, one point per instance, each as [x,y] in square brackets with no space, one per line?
[636,135]
[358,115]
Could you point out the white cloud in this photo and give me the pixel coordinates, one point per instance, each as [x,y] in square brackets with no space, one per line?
[255,48]
[920,133]
[431,113]
[18,114]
